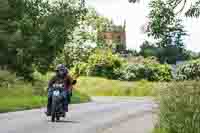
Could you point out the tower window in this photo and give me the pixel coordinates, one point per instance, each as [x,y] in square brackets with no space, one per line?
[119,37]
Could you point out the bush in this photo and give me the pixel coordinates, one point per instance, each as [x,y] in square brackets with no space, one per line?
[189,71]
[158,72]
[80,69]
[102,63]
[132,72]
[180,108]
[6,78]
[142,60]
[151,72]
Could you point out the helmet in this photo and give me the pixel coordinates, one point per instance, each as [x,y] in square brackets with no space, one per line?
[61,70]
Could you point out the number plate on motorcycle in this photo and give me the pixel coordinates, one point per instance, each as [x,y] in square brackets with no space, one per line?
[56,93]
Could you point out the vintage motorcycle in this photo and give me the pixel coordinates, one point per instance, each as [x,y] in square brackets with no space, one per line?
[57,107]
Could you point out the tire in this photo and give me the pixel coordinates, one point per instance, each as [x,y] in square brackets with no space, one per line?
[53,110]
[53,118]
[57,118]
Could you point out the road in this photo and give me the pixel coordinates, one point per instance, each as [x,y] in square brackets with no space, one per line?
[103,115]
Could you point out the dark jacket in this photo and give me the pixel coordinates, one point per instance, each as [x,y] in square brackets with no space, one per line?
[68,81]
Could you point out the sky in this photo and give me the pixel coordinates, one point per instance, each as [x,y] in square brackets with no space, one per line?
[136,16]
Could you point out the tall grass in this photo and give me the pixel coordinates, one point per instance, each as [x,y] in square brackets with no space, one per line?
[19,95]
[104,87]
[180,108]
[159,130]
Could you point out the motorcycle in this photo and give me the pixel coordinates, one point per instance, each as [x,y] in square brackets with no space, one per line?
[57,103]
[57,108]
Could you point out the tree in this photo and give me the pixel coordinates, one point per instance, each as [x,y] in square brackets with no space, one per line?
[75,53]
[193,11]
[85,38]
[167,30]
[4,33]
[37,32]
[148,50]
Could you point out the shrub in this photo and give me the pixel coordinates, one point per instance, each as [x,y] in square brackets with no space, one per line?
[158,72]
[142,60]
[102,63]
[80,68]
[6,78]
[131,72]
[180,108]
[151,72]
[189,71]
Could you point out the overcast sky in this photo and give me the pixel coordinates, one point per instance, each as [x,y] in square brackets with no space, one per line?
[136,15]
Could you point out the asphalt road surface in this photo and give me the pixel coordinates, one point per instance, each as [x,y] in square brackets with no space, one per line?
[103,115]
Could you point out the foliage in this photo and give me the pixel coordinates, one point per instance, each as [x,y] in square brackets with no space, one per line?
[103,63]
[193,11]
[106,64]
[6,78]
[147,49]
[189,71]
[167,30]
[37,33]
[179,107]
[94,86]
[80,68]
[75,53]
[142,60]
[93,24]
[170,54]
[151,72]
[84,39]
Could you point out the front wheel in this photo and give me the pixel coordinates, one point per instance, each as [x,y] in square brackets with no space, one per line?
[53,110]
[53,118]
[57,118]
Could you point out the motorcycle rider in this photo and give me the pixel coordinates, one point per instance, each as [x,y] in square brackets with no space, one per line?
[62,74]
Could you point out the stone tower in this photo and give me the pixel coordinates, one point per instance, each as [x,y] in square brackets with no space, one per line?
[115,34]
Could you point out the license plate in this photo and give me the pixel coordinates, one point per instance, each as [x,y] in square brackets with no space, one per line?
[56,93]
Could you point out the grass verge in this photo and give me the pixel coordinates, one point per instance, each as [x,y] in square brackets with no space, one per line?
[159,130]
[104,87]
[180,108]
[18,95]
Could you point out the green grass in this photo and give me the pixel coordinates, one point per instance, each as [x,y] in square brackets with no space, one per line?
[159,130]
[180,107]
[23,102]
[8,104]
[19,95]
[104,87]
[79,97]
